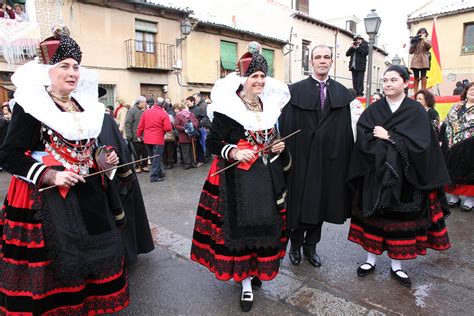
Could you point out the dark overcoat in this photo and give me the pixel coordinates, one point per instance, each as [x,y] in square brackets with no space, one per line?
[316,186]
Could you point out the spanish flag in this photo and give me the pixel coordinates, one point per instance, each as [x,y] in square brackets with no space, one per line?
[434,74]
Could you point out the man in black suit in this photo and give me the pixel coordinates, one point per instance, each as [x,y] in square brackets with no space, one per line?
[317,192]
[358,53]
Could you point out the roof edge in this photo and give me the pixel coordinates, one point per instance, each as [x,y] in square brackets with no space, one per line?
[443,14]
[242,31]
[308,18]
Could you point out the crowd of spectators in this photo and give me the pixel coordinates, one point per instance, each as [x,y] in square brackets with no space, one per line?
[184,143]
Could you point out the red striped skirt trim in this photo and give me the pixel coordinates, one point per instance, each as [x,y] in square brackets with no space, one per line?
[405,244]
[460,189]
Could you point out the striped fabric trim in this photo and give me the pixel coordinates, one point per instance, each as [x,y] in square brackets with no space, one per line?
[282,198]
[226,150]
[34,173]
[120,216]
[124,174]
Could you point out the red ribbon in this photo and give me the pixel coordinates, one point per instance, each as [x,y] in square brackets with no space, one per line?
[244,144]
[50,161]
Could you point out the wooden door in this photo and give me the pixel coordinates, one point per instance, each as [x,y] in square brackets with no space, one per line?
[152,91]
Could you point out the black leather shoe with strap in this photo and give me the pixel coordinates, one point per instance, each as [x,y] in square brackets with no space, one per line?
[361,272]
[402,280]
[246,301]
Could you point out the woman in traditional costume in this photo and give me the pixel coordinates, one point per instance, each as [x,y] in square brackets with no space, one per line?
[60,249]
[240,224]
[457,135]
[396,171]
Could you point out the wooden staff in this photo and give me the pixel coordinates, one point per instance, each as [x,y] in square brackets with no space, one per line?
[258,151]
[105,170]
[193,146]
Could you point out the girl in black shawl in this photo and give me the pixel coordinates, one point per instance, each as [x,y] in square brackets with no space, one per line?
[396,168]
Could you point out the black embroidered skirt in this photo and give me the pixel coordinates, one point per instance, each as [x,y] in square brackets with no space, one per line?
[28,282]
[209,245]
[401,236]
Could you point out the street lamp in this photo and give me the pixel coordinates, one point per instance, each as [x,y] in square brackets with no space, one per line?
[372,24]
[396,60]
[186,28]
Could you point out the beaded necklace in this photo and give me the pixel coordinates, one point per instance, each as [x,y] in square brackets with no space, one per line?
[73,155]
[255,106]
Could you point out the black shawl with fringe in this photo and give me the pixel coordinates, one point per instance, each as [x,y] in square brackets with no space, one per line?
[380,171]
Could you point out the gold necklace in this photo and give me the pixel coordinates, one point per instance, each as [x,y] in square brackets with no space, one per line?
[69,107]
[65,102]
[61,98]
[254,105]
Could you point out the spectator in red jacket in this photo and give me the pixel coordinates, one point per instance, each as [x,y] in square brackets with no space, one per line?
[153,125]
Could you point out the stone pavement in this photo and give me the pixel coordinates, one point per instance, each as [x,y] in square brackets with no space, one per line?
[166,282]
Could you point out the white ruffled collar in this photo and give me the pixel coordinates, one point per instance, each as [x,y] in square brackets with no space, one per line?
[225,100]
[30,81]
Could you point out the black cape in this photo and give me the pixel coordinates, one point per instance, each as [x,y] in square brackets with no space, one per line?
[136,233]
[387,174]
[316,186]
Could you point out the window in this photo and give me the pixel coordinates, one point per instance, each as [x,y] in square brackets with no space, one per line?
[228,57]
[145,33]
[468,39]
[109,97]
[268,54]
[305,56]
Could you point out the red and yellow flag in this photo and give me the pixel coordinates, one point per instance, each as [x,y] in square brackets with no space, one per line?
[434,74]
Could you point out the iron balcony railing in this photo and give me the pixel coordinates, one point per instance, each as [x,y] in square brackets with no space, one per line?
[149,55]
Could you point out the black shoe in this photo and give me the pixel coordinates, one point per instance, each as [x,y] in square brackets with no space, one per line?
[256,282]
[295,254]
[312,257]
[455,204]
[246,301]
[365,272]
[403,281]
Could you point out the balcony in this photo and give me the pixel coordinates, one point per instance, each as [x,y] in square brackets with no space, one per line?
[149,55]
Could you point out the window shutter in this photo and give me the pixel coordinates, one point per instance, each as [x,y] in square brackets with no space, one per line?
[268,54]
[228,55]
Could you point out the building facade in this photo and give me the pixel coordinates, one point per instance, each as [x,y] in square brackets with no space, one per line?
[138,47]
[455,33]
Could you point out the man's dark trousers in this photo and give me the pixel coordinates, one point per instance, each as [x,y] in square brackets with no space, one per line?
[313,236]
[358,82]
